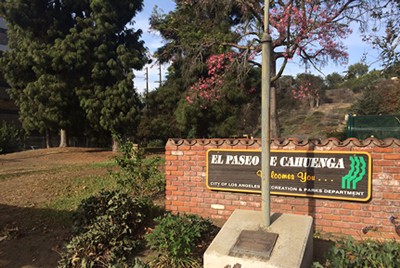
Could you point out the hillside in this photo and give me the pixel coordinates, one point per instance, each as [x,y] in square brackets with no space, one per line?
[329,117]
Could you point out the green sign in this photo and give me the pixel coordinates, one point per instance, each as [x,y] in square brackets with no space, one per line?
[319,174]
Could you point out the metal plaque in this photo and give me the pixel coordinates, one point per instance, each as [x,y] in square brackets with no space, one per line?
[257,244]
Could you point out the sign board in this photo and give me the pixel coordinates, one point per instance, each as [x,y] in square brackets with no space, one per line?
[333,175]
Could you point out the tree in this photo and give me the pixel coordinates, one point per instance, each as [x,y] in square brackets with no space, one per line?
[333,80]
[70,58]
[38,85]
[104,51]
[311,30]
[309,87]
[192,46]
[384,14]
[356,70]
[158,119]
[380,97]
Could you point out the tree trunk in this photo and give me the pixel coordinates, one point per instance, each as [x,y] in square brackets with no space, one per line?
[311,102]
[63,138]
[48,139]
[275,128]
[115,145]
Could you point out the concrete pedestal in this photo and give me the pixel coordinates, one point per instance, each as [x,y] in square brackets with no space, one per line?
[293,248]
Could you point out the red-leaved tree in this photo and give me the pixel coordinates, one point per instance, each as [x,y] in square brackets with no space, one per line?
[208,88]
[312,30]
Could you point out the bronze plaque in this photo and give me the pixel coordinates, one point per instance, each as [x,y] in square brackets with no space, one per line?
[255,244]
[334,175]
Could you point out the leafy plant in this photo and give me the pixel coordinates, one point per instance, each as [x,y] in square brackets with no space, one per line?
[109,228]
[368,253]
[10,138]
[116,206]
[180,239]
[139,175]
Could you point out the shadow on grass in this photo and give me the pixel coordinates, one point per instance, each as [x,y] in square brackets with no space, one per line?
[32,237]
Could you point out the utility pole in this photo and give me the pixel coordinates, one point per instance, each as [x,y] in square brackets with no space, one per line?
[265,119]
[159,74]
[147,82]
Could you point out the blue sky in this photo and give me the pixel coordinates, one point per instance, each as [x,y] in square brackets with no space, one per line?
[152,42]
[356,50]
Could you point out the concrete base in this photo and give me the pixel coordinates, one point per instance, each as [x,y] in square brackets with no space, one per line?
[293,248]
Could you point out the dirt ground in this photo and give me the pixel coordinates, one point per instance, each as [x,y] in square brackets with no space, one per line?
[27,181]
[30,179]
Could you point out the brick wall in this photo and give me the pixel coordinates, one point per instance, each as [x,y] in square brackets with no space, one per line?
[186,190]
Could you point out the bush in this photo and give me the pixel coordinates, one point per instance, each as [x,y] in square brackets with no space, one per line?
[359,84]
[109,229]
[181,240]
[10,138]
[139,175]
[368,253]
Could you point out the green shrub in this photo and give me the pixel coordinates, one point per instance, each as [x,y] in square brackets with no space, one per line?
[362,82]
[180,240]
[10,138]
[117,206]
[109,231]
[156,144]
[139,175]
[368,253]
[340,135]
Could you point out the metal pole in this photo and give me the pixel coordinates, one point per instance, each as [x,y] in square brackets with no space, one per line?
[265,118]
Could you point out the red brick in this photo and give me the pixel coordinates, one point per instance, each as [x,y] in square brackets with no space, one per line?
[197,210]
[171,188]
[210,211]
[334,204]
[190,173]
[184,148]
[321,222]
[332,217]
[329,229]
[176,173]
[374,208]
[171,158]
[350,219]
[391,170]
[232,197]
[351,206]
[391,156]
[225,202]
[184,209]
[383,163]
[170,148]
[218,217]
[198,148]
[224,212]
[172,208]
[361,214]
[323,210]
[184,198]
[341,224]
[177,203]
[383,150]
[196,168]
[351,232]
[391,196]
[376,156]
